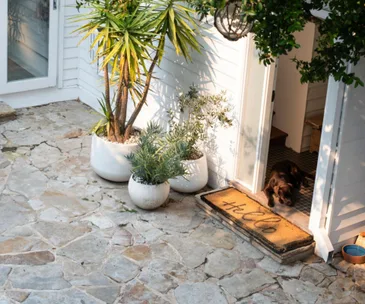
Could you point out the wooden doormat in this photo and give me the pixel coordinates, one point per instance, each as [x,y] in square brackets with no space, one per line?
[268,231]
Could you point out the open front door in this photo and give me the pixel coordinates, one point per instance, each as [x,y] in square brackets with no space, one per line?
[28,50]
[255,121]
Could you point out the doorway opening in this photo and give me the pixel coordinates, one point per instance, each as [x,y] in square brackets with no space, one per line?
[297,117]
[288,128]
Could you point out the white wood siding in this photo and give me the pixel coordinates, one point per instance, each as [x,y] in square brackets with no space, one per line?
[348,205]
[219,67]
[69,62]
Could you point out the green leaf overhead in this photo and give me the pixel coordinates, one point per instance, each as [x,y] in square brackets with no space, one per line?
[341,40]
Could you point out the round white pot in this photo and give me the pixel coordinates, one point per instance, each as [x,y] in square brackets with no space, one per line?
[196,178]
[148,196]
[108,159]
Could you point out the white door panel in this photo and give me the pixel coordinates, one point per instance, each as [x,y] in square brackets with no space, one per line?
[28,31]
[255,121]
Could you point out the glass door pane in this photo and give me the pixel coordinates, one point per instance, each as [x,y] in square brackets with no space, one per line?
[28,39]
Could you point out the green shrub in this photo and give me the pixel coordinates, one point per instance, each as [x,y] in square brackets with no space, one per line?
[198,113]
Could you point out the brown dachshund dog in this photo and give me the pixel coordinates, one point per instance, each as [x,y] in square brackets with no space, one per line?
[284,177]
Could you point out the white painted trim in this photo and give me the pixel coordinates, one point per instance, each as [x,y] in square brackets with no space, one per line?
[243,83]
[321,211]
[36,83]
[40,97]
[50,95]
[61,37]
[342,91]
[263,142]
[324,247]
[327,153]
[4,39]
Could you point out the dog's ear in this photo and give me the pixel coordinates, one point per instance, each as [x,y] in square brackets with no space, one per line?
[276,189]
[273,182]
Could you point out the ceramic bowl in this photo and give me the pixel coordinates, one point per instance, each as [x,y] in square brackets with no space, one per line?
[354,254]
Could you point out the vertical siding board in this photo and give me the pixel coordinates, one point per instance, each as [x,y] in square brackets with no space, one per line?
[348,217]
[70,52]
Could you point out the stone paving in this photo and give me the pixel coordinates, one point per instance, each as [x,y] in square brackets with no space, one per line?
[67,236]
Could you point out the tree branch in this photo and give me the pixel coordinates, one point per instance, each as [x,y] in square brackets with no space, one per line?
[124,100]
[139,106]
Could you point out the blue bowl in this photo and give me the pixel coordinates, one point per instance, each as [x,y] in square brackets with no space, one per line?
[354,254]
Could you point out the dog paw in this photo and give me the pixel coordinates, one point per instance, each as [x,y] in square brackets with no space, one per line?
[271,204]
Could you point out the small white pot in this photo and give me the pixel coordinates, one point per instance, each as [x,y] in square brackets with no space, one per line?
[108,159]
[195,180]
[148,196]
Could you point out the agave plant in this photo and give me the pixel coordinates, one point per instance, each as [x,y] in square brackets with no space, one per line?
[130,38]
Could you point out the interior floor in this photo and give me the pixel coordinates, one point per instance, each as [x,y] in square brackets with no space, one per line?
[307,162]
[16,72]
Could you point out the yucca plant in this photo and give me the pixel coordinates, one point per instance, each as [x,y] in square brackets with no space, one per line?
[156,161]
[130,38]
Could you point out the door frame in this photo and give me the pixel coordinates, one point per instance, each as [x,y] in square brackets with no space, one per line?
[262,152]
[319,219]
[33,83]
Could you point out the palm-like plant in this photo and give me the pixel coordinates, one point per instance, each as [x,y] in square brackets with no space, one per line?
[130,40]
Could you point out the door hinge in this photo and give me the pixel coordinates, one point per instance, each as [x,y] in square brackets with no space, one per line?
[55,4]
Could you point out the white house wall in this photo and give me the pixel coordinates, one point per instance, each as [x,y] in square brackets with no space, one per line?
[70,51]
[219,67]
[348,204]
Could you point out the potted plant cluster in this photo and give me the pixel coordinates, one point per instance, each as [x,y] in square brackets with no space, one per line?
[129,41]
[198,113]
[153,165]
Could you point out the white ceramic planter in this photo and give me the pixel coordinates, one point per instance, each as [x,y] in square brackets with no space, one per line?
[108,159]
[196,179]
[148,196]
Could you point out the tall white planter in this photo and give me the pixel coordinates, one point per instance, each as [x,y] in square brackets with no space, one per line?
[148,196]
[195,180]
[108,159]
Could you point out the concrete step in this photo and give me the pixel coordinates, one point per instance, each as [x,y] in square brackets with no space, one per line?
[6,112]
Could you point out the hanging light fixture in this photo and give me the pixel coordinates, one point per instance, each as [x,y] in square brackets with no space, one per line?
[230,21]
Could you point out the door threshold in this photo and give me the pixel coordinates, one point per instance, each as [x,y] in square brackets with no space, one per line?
[291,214]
